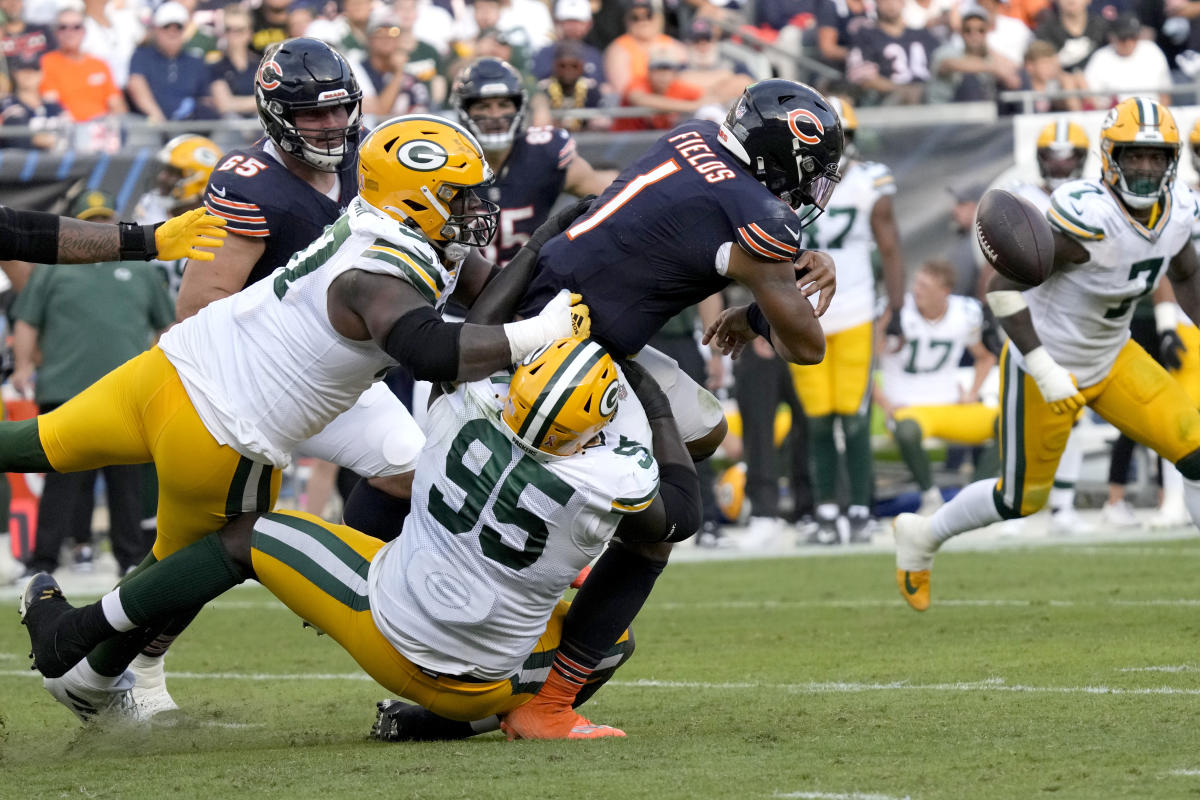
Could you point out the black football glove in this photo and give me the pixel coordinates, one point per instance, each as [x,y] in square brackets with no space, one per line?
[654,401]
[1170,349]
[559,222]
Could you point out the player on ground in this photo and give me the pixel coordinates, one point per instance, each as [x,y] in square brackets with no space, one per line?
[565,467]
[1069,342]
[837,391]
[225,397]
[920,392]
[533,166]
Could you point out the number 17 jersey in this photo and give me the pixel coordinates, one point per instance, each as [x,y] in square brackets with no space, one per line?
[498,534]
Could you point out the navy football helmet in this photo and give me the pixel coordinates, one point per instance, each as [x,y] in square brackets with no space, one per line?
[301,74]
[790,138]
[486,78]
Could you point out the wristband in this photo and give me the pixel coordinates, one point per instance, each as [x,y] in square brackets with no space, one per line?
[137,241]
[758,321]
[1040,365]
[1165,318]
[1006,303]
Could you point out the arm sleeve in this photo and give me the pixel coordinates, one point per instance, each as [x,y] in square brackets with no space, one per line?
[28,236]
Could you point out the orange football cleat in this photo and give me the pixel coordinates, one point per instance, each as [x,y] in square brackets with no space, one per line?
[539,721]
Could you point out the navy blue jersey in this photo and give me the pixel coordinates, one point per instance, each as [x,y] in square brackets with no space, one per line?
[903,59]
[526,187]
[659,239]
[260,197]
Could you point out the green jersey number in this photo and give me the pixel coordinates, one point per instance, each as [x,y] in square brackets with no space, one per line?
[831,221]
[479,460]
[1150,265]
[945,345]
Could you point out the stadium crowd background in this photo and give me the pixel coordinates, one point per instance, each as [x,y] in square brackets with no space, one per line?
[106,77]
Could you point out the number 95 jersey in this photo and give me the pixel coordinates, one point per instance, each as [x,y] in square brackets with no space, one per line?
[1082,313]
[497,534]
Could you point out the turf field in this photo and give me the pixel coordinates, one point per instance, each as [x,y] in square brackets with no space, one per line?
[1052,671]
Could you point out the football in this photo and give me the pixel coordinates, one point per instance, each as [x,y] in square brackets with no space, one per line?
[1015,237]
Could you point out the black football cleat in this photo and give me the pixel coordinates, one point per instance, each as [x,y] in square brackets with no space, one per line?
[42,607]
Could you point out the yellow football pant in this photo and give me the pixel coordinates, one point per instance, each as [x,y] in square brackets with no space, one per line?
[319,571]
[837,385]
[1137,396]
[140,412]
[961,423]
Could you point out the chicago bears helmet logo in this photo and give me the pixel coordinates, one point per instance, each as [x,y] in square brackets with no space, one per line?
[269,75]
[422,155]
[796,116]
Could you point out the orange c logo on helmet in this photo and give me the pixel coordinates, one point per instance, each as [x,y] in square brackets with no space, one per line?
[269,75]
[794,117]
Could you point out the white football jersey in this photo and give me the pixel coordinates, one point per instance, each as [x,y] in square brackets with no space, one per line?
[1082,314]
[265,369]
[468,587]
[1033,192]
[925,371]
[844,231]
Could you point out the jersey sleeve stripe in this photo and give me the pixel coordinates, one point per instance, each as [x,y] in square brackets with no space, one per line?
[429,272]
[771,240]
[755,244]
[1072,226]
[216,198]
[567,154]
[415,275]
[632,505]
[220,212]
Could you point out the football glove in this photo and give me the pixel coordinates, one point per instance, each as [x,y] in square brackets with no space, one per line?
[1171,349]
[183,236]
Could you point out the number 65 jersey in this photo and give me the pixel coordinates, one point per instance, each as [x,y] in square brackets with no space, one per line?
[497,534]
[1082,313]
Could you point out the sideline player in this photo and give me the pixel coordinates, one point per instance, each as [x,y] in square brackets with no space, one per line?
[1069,342]
[563,470]
[533,166]
[920,392]
[858,220]
[223,399]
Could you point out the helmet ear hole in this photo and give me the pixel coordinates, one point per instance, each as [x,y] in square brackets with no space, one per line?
[389,144]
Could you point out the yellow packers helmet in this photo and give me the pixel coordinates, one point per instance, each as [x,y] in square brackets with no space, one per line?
[1194,145]
[187,162]
[1061,150]
[424,171]
[1139,122]
[849,119]
[561,396]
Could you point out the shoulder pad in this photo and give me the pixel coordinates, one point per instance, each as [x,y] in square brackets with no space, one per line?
[1079,209]
[880,176]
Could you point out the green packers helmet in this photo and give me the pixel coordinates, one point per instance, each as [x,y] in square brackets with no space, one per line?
[561,396]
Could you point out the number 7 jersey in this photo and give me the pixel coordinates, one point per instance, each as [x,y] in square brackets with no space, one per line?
[1082,313]
[497,534]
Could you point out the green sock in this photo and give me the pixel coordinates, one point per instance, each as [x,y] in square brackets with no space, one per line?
[908,436]
[859,464]
[21,447]
[173,589]
[823,454]
[988,464]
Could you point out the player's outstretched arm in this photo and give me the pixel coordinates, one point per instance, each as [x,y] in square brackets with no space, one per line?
[1184,273]
[794,329]
[887,239]
[220,277]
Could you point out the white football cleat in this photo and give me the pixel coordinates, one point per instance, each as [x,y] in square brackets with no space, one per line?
[150,690]
[1118,515]
[1067,521]
[92,705]
[1172,513]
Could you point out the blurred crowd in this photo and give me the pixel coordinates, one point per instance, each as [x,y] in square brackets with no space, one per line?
[89,64]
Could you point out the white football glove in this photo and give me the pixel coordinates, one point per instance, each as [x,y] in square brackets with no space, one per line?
[1055,383]
[564,316]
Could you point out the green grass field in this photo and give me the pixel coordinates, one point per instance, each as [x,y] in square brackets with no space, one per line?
[1064,672]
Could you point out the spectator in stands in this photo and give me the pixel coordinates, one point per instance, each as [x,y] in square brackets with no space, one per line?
[387,88]
[300,17]
[1007,36]
[791,25]
[353,22]
[166,83]
[490,37]
[83,323]
[966,69]
[270,24]
[432,23]
[233,74]
[80,83]
[838,22]
[111,33]
[528,22]
[721,76]
[1127,65]
[568,87]
[939,17]
[888,59]
[627,59]
[27,108]
[19,39]
[572,22]
[1075,30]
[663,90]
[424,60]
[1044,73]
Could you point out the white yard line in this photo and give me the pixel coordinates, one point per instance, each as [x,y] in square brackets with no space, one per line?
[838,796]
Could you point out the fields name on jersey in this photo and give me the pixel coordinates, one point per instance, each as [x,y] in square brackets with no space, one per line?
[695,151]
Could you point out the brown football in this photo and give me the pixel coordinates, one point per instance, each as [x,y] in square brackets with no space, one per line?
[1015,237]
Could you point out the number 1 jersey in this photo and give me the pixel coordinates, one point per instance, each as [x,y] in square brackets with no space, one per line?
[497,534]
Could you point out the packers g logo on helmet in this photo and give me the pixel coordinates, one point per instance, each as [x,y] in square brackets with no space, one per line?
[561,396]
[1132,123]
[422,155]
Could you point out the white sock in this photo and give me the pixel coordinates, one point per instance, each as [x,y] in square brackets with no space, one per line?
[971,508]
[83,673]
[1070,463]
[1172,482]
[1191,498]
[114,612]
[828,511]
[1062,498]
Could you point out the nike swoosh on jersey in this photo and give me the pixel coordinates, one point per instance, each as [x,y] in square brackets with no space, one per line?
[792,232]
[221,192]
